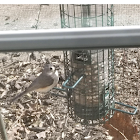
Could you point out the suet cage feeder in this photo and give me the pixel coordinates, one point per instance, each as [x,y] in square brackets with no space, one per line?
[89,73]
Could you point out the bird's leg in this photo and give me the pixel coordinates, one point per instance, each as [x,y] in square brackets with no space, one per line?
[38,102]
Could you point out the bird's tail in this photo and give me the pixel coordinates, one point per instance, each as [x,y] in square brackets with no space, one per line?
[18,96]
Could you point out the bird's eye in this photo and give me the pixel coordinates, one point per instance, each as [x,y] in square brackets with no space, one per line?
[51,68]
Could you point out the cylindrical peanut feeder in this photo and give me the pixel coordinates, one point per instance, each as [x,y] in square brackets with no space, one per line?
[92,95]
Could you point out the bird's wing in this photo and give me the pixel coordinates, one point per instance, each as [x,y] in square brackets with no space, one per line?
[42,81]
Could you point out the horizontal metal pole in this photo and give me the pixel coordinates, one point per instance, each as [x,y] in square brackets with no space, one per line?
[69,39]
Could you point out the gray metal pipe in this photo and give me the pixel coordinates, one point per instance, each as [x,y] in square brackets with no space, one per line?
[2,129]
[70,39]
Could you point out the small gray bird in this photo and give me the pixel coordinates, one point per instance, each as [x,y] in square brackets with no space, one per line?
[43,83]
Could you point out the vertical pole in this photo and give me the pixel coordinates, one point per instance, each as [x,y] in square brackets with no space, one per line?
[2,128]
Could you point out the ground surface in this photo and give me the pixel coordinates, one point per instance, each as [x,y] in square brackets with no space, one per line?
[50,120]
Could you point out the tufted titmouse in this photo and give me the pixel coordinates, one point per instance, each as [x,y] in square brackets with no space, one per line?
[43,83]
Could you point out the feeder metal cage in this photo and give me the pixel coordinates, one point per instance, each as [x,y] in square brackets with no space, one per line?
[90,73]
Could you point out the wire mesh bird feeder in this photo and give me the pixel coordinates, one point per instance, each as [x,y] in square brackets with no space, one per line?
[89,73]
